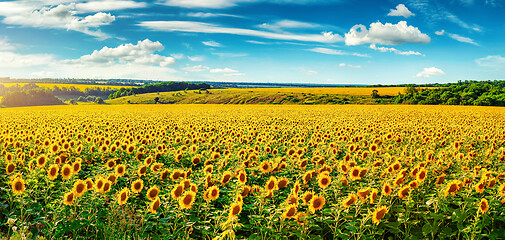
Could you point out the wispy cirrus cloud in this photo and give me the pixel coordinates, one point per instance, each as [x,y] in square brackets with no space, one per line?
[330,51]
[202,27]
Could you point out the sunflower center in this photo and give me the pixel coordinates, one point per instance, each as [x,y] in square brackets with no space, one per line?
[18,186]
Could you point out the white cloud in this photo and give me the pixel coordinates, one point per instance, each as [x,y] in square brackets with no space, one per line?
[401,10]
[492,61]
[394,50]
[58,17]
[209,15]
[386,34]
[231,3]
[5,45]
[440,33]
[223,70]
[15,60]
[330,51]
[196,58]
[256,42]
[212,44]
[177,55]
[142,53]
[432,71]
[201,27]
[234,74]
[436,13]
[108,5]
[311,72]
[198,68]
[348,65]
[460,38]
[287,24]
[43,74]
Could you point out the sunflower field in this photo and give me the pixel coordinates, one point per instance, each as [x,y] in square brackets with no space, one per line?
[252,172]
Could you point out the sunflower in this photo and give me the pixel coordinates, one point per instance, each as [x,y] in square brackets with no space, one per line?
[386,189]
[41,161]
[242,177]
[501,189]
[164,174]
[491,183]
[440,179]
[186,183]
[66,171]
[175,175]
[120,170]
[196,160]
[245,191]
[402,193]
[10,168]
[296,188]
[421,175]
[208,168]
[177,191]
[355,173]
[226,177]
[301,218]
[452,188]
[316,203]
[18,185]
[142,170]
[271,184]
[373,195]
[290,211]
[213,193]
[152,193]
[292,199]
[137,185]
[283,182]
[235,209]
[480,186]
[350,200]
[148,160]
[52,173]
[54,148]
[112,178]
[89,184]
[324,180]
[156,167]
[265,167]
[483,205]
[307,176]
[69,197]
[193,187]
[307,196]
[110,164]
[154,205]
[378,214]
[106,186]
[186,201]
[79,188]
[414,184]
[363,193]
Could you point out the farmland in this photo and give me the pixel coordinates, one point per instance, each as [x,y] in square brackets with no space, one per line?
[257,172]
[81,87]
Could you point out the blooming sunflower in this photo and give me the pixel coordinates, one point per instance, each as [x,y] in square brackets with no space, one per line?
[402,192]
[110,164]
[68,199]
[186,201]
[154,205]
[76,166]
[120,170]
[323,180]
[10,168]
[386,189]
[52,173]
[79,188]
[226,177]
[483,205]
[378,214]
[290,211]
[235,209]
[271,184]
[41,161]
[316,203]
[152,193]
[421,175]
[350,200]
[213,193]
[66,171]
[452,188]
[142,170]
[355,173]
[242,177]
[177,191]
[283,182]
[137,185]
[18,185]
[307,196]
[265,167]
[373,195]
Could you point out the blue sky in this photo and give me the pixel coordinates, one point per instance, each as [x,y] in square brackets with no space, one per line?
[289,41]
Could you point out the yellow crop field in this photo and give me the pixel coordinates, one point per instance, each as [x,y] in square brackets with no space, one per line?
[252,172]
[81,87]
[356,91]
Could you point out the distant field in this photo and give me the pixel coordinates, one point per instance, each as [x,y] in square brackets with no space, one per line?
[357,91]
[81,87]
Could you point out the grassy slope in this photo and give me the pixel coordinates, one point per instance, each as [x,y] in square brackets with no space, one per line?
[263,96]
[81,87]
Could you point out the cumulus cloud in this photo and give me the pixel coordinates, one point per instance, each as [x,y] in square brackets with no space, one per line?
[212,44]
[223,70]
[201,27]
[57,17]
[394,50]
[492,61]
[401,11]
[431,71]
[386,34]
[142,53]
[5,45]
[15,60]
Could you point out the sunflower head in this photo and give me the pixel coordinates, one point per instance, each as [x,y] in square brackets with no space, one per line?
[154,205]
[290,211]
[316,203]
[323,180]
[271,184]
[137,186]
[378,214]
[235,209]
[283,182]
[350,200]
[187,199]
[483,205]
[10,168]
[18,185]
[68,199]
[152,193]
[80,188]
[177,191]
[120,170]
[226,177]
[66,171]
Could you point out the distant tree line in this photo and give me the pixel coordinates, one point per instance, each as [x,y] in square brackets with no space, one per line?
[30,97]
[159,87]
[481,93]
